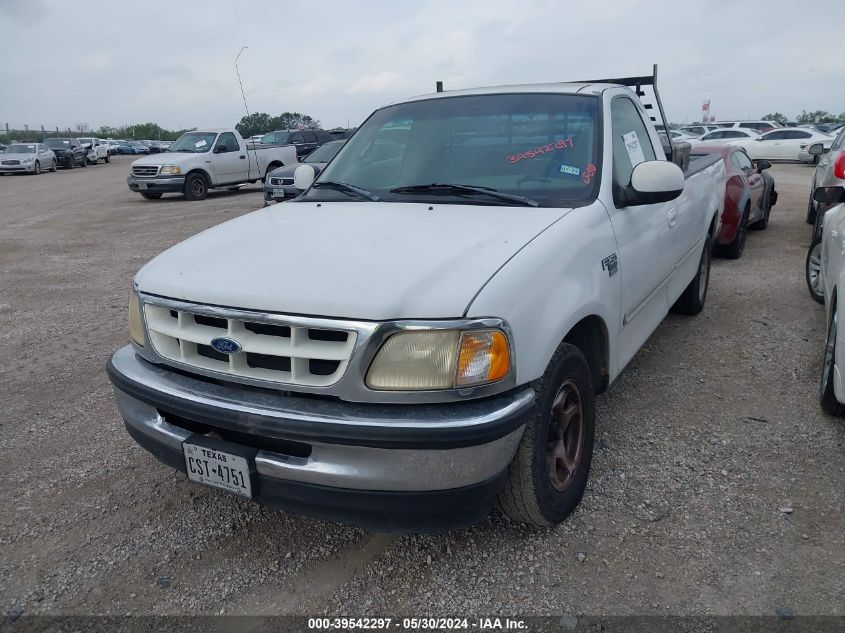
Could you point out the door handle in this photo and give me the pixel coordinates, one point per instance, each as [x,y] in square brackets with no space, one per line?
[823,163]
[672,215]
[242,156]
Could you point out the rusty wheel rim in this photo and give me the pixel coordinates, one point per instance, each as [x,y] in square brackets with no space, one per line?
[565,443]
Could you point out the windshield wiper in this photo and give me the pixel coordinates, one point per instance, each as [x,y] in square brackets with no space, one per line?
[189,151]
[458,189]
[345,186]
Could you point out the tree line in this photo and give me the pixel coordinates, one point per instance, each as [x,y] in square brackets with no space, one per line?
[257,123]
[816,116]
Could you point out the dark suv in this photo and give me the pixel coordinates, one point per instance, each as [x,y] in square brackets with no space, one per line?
[68,151]
[305,141]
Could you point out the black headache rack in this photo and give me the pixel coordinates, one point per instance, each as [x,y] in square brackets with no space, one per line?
[649,100]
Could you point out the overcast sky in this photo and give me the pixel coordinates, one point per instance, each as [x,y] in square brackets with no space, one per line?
[103,62]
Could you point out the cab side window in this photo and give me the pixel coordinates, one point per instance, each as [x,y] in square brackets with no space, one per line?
[631,144]
[227,143]
[742,161]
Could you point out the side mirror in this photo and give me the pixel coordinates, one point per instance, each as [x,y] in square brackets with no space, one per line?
[303,177]
[655,181]
[763,164]
[831,195]
[816,148]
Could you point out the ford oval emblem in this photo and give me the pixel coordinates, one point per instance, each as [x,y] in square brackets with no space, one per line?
[225,345]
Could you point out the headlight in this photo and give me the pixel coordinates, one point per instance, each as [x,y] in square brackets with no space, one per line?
[170,169]
[136,323]
[440,359]
[26,161]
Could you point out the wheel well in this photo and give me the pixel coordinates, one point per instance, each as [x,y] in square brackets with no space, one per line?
[272,166]
[590,336]
[201,173]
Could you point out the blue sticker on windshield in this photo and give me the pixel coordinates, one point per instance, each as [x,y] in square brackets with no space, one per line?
[569,169]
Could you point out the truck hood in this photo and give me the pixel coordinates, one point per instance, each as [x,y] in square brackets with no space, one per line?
[358,260]
[164,158]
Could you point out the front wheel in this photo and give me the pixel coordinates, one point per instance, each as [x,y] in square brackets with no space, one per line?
[827,394]
[548,474]
[84,161]
[813,270]
[762,223]
[108,158]
[691,302]
[735,249]
[53,165]
[196,188]
[36,168]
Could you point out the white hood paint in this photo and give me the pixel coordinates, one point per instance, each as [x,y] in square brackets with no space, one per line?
[358,260]
[164,158]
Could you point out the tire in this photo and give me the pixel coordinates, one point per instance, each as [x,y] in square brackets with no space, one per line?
[53,166]
[151,196]
[827,395]
[762,223]
[812,271]
[816,159]
[36,168]
[84,161]
[107,158]
[71,164]
[549,471]
[734,249]
[196,187]
[811,210]
[691,302]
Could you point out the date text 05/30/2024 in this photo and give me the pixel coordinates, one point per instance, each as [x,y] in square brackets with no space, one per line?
[413,624]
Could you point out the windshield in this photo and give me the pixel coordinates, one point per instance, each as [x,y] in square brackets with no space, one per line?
[20,149]
[538,146]
[86,141]
[197,142]
[324,153]
[57,143]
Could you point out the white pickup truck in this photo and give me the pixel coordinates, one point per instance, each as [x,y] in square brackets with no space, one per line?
[423,330]
[203,160]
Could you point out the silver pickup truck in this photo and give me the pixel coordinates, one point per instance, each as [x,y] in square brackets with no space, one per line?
[203,160]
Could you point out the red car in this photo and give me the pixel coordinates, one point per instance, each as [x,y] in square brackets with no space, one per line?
[749,197]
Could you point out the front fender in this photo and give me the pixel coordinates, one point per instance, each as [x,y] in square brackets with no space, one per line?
[552,283]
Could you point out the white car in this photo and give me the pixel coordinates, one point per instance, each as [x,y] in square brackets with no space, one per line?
[698,129]
[785,144]
[724,136]
[428,322]
[98,150]
[831,385]
[757,126]
[30,158]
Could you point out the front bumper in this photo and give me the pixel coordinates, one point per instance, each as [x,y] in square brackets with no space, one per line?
[384,467]
[17,169]
[169,184]
[289,192]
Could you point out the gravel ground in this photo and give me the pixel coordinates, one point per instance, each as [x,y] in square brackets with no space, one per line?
[717,485]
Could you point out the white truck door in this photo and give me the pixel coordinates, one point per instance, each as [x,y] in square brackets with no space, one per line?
[643,233]
[230,162]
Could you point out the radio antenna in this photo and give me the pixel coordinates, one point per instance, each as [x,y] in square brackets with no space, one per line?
[237,70]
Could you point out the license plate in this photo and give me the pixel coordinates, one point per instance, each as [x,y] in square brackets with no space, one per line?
[142,185]
[278,193]
[218,469]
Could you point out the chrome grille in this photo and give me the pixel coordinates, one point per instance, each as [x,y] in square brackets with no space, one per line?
[11,162]
[144,170]
[294,355]
[279,182]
